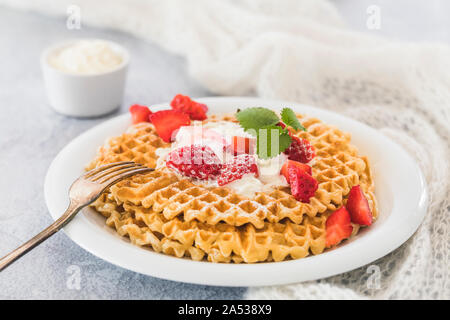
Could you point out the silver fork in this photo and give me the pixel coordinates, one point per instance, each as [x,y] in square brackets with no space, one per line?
[84,191]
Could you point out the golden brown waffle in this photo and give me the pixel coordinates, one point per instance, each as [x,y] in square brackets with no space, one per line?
[165,192]
[220,242]
[137,144]
[175,216]
[337,168]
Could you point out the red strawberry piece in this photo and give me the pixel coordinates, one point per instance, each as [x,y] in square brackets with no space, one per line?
[303,186]
[195,161]
[167,121]
[195,110]
[281,124]
[237,168]
[199,111]
[139,113]
[240,145]
[203,106]
[180,101]
[300,150]
[338,227]
[358,207]
[301,166]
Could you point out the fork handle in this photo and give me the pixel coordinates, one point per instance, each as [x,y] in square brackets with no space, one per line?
[71,211]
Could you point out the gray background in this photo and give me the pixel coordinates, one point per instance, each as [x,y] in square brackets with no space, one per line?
[31,134]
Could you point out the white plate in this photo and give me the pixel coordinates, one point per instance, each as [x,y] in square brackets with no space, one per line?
[399,184]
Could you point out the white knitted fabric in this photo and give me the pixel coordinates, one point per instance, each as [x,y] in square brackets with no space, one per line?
[300,50]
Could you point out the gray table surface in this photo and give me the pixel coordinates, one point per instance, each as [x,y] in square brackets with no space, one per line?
[31,134]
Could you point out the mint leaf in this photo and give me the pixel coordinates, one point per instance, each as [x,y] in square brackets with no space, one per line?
[271,141]
[253,119]
[290,119]
[285,141]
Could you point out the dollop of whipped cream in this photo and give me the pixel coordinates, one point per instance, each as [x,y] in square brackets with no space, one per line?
[216,135]
[85,57]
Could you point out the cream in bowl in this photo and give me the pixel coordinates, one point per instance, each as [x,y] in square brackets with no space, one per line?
[86,57]
[85,77]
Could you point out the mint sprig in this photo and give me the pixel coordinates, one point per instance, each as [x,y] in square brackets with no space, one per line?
[271,138]
[256,118]
[290,119]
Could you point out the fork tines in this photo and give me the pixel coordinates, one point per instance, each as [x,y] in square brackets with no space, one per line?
[113,172]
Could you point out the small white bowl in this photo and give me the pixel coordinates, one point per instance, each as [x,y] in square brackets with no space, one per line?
[85,95]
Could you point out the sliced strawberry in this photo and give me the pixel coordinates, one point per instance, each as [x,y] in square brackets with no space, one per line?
[167,121]
[139,113]
[194,161]
[358,207]
[284,169]
[203,106]
[338,227]
[240,145]
[237,168]
[300,150]
[198,111]
[195,110]
[303,186]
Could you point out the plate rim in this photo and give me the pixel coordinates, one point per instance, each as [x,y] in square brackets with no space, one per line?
[259,269]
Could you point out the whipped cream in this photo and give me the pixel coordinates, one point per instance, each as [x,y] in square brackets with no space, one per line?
[217,135]
[227,129]
[161,153]
[269,170]
[86,57]
[247,186]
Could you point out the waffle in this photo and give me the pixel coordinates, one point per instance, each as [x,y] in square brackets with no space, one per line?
[137,144]
[171,214]
[217,243]
[337,168]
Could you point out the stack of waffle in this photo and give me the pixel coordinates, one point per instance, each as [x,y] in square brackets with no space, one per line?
[170,214]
